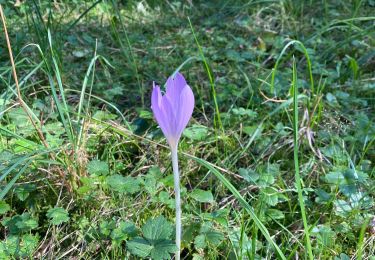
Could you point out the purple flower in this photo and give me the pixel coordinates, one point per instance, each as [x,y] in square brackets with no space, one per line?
[173,110]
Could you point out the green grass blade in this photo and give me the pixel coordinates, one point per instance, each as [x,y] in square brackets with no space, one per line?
[108,103]
[279,59]
[210,77]
[296,162]
[81,16]
[10,184]
[130,49]
[68,125]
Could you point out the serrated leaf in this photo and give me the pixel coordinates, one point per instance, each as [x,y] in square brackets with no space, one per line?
[202,196]
[22,192]
[208,235]
[20,223]
[166,199]
[157,229]
[97,167]
[106,227]
[58,215]
[249,175]
[123,184]
[151,180]
[139,247]
[156,243]
[4,207]
[163,249]
[124,231]
[28,245]
[270,196]
[196,132]
[274,214]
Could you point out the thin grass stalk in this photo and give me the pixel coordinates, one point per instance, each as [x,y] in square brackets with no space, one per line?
[308,64]
[134,63]
[361,239]
[296,162]
[20,100]
[210,77]
[90,70]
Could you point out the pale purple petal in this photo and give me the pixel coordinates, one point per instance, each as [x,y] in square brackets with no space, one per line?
[173,110]
[156,106]
[170,122]
[174,88]
[185,109]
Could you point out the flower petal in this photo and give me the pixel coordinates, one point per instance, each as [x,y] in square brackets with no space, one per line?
[156,106]
[174,87]
[185,109]
[170,123]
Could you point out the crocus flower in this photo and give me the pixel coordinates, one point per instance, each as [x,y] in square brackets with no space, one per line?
[172,112]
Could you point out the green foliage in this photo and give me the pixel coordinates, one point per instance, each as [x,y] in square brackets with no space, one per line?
[20,224]
[202,196]
[97,167]
[208,237]
[196,132]
[4,207]
[19,246]
[58,215]
[86,79]
[123,184]
[155,242]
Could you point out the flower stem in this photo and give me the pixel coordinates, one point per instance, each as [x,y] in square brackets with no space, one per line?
[177,200]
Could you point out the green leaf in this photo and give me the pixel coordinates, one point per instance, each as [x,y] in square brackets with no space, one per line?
[58,215]
[4,207]
[151,180]
[196,132]
[22,192]
[274,214]
[19,117]
[163,249]
[249,175]
[202,196]
[139,247]
[245,112]
[208,236]
[253,130]
[325,235]
[240,242]
[124,231]
[20,223]
[97,167]
[106,227]
[123,184]
[28,245]
[103,116]
[156,243]
[157,229]
[270,196]
[166,199]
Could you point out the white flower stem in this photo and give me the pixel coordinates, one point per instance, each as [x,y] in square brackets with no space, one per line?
[176,176]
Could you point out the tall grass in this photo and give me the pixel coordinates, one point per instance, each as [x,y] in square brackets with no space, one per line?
[210,78]
[296,161]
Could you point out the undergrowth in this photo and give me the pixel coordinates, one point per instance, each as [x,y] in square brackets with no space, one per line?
[277,162]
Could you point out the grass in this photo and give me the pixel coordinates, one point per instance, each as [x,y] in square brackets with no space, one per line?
[272,165]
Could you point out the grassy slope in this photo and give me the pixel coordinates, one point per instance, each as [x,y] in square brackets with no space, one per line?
[241,42]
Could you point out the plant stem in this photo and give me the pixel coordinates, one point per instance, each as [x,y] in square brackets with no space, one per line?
[177,199]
